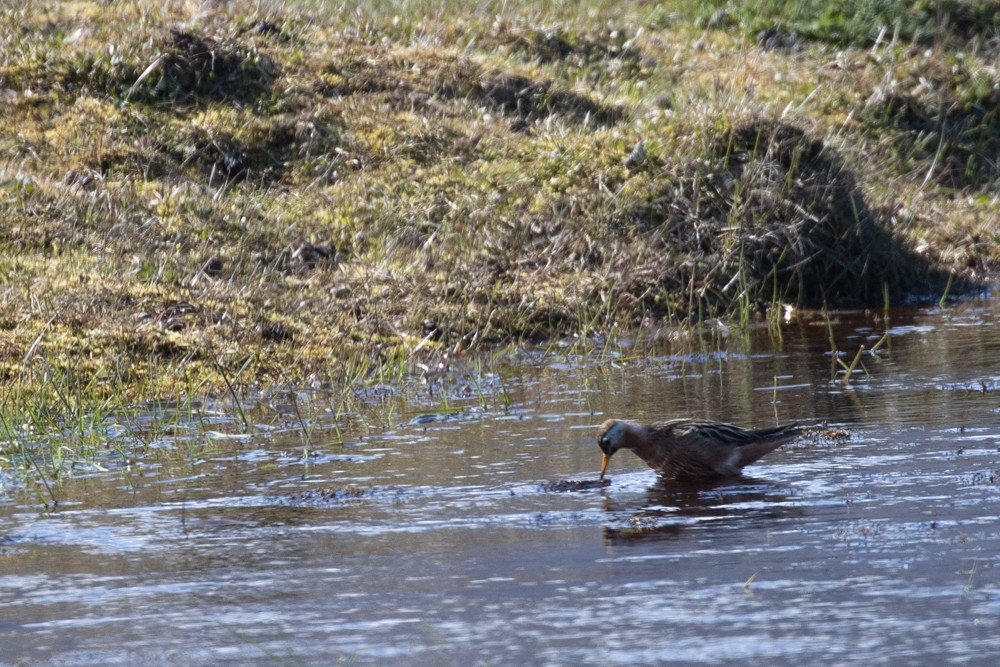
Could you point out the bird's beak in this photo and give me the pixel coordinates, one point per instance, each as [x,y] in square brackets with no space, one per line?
[604,465]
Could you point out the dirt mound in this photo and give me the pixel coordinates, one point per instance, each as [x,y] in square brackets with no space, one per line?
[404,84]
[581,49]
[192,66]
[771,214]
[802,225]
[528,99]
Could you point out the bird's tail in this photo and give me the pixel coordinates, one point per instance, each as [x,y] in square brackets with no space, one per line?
[767,440]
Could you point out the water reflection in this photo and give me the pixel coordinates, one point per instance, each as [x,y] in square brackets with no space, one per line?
[669,509]
[460,528]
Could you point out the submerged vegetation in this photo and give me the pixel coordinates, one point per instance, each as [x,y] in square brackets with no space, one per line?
[219,196]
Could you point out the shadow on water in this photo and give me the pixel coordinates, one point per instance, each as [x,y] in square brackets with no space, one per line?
[668,509]
[464,525]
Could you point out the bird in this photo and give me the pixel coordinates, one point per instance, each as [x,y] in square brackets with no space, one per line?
[691,450]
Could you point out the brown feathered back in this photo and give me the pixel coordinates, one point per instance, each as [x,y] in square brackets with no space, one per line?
[695,449]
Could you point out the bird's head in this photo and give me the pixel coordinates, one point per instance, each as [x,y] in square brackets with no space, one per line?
[611,437]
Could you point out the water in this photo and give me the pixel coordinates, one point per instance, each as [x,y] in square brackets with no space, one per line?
[444,537]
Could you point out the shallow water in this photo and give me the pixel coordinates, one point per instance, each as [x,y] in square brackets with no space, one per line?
[440,525]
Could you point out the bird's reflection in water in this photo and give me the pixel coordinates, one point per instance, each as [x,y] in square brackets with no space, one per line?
[670,509]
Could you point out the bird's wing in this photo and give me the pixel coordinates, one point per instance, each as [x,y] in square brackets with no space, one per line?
[713,433]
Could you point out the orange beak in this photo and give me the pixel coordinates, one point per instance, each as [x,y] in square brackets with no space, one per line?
[604,465]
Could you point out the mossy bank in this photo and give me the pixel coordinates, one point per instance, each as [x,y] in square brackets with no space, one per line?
[197,192]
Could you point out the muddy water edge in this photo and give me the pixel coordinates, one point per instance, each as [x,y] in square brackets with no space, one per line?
[454,523]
